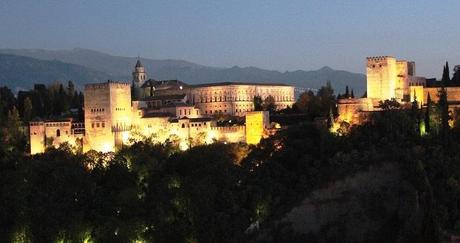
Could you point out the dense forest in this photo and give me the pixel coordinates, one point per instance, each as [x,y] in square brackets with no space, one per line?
[384,181]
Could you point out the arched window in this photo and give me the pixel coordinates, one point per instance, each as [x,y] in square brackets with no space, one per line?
[183,125]
[58,133]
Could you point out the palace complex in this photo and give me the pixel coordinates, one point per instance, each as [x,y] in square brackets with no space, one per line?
[118,113]
[389,78]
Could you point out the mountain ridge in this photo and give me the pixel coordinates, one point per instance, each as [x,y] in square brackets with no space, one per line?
[102,65]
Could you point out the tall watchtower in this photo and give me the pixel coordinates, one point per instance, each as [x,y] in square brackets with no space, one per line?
[381,77]
[107,115]
[139,76]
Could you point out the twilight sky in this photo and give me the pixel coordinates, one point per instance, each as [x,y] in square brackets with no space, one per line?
[279,35]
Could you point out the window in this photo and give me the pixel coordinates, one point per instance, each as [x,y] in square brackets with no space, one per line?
[97,124]
[58,133]
[103,124]
[183,125]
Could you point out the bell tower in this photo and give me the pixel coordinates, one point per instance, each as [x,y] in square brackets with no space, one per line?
[139,76]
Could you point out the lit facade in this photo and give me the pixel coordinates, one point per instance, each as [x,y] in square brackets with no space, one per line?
[389,78]
[177,113]
[236,98]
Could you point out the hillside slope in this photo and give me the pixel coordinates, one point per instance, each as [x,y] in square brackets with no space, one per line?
[19,72]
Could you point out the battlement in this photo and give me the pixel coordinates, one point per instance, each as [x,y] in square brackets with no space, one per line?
[107,84]
[229,128]
[36,123]
[378,58]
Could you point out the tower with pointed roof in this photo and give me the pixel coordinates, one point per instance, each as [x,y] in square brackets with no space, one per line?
[139,76]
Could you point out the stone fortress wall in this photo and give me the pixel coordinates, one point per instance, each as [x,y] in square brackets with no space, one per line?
[389,78]
[112,119]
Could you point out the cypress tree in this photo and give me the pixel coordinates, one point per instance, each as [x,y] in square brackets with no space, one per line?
[427,113]
[347,92]
[13,126]
[352,94]
[415,113]
[330,119]
[446,74]
[444,107]
[28,110]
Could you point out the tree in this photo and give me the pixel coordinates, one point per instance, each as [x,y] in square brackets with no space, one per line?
[456,76]
[269,104]
[7,101]
[13,126]
[352,94]
[428,113]
[415,113]
[28,110]
[330,118]
[446,75]
[258,103]
[70,88]
[347,92]
[444,108]
[326,99]
[388,105]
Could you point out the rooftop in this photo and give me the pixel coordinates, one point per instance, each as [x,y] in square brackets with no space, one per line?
[178,104]
[237,83]
[165,97]
[157,114]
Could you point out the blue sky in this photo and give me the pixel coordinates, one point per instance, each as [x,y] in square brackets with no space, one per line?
[279,35]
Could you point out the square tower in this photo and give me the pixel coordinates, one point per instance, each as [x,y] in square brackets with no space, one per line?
[405,70]
[256,124]
[107,115]
[381,77]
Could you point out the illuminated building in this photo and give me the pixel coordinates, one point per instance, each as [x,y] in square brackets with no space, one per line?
[388,78]
[161,111]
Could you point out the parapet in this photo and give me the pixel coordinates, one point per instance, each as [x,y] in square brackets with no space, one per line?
[106,84]
[36,123]
[378,58]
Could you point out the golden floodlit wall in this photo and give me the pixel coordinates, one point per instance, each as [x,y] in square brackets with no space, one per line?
[418,93]
[107,115]
[37,137]
[404,71]
[453,94]
[349,109]
[381,77]
[256,123]
[111,120]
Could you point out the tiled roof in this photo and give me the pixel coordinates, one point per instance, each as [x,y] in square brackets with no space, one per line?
[236,83]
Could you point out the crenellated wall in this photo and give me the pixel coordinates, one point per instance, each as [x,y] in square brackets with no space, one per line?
[381,77]
[111,120]
[107,115]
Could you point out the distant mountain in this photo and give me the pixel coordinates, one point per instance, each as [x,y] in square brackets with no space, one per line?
[18,72]
[120,68]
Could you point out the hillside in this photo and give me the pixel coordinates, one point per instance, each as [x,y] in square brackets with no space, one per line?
[19,72]
[118,67]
